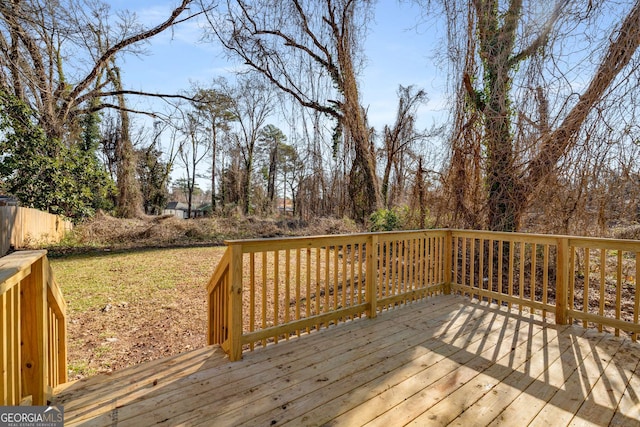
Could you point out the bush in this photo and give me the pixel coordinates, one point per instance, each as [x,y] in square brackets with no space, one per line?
[385,220]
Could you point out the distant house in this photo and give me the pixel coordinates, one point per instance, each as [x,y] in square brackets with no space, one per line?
[177,209]
[181,210]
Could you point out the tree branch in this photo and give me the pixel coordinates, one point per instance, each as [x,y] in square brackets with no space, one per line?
[542,38]
[106,57]
[619,54]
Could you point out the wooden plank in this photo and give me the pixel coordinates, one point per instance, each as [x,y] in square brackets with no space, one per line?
[600,405]
[547,366]
[628,406]
[246,380]
[526,355]
[619,284]
[401,404]
[603,284]
[288,328]
[338,402]
[412,295]
[5,343]
[585,287]
[16,266]
[607,244]
[455,352]
[371,277]
[636,301]
[562,281]
[234,294]
[558,403]
[506,236]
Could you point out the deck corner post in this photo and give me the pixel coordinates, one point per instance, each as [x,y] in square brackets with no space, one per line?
[371,276]
[448,255]
[235,303]
[34,330]
[562,281]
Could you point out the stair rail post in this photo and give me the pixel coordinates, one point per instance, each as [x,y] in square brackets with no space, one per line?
[235,303]
[34,334]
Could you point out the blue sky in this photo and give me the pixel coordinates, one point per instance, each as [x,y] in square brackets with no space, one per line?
[396,54]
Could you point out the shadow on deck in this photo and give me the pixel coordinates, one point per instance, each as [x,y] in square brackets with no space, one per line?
[445,360]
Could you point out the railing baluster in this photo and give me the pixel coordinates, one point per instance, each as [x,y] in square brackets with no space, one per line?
[298,281]
[264,293]
[636,301]
[252,294]
[352,270]
[276,293]
[521,273]
[510,279]
[603,284]
[545,279]
[308,283]
[619,284]
[585,286]
[572,280]
[287,290]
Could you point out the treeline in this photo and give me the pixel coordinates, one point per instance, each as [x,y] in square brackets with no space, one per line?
[543,132]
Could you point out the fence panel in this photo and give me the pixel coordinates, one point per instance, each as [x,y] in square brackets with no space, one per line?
[21,227]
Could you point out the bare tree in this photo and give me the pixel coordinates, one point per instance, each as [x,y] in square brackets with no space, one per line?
[193,149]
[510,57]
[399,138]
[37,40]
[37,35]
[251,104]
[215,108]
[281,39]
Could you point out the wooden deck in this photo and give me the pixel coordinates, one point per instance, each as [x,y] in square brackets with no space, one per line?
[443,361]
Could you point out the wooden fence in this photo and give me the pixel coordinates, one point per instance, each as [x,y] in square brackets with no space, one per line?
[33,342]
[20,227]
[268,290]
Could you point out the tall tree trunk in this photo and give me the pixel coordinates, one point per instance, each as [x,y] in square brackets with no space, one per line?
[129,199]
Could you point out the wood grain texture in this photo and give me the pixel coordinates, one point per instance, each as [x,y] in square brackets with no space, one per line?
[446,360]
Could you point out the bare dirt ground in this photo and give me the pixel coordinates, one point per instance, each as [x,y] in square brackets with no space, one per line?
[136,288]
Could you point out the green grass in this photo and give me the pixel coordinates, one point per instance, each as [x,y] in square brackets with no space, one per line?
[95,280]
[156,301]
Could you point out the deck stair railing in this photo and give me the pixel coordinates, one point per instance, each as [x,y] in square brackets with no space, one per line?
[33,349]
[268,290]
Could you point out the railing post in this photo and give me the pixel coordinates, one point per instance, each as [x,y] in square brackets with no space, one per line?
[448,255]
[562,280]
[34,334]
[371,276]
[235,303]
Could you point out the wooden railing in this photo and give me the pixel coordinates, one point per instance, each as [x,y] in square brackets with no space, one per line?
[32,329]
[268,290]
[589,279]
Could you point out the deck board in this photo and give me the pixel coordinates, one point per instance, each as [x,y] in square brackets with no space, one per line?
[443,361]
